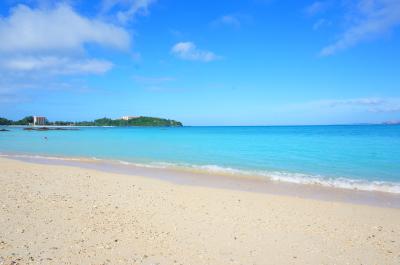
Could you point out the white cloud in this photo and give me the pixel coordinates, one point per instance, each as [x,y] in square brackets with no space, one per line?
[189,51]
[232,20]
[354,102]
[370,19]
[39,46]
[130,8]
[58,29]
[56,65]
[229,20]
[51,41]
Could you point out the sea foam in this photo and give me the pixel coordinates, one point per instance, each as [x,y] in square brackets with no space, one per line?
[289,177]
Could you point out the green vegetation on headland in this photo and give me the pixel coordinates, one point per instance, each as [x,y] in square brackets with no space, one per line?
[4,121]
[138,121]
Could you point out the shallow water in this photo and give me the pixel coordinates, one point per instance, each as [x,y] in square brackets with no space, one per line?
[361,157]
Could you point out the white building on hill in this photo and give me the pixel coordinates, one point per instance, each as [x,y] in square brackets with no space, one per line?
[127,118]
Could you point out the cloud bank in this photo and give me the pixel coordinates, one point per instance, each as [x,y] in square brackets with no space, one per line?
[40,44]
[58,29]
[56,65]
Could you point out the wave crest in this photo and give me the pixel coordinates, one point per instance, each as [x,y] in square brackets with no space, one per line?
[298,178]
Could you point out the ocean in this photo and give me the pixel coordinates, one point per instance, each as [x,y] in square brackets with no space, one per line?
[363,157]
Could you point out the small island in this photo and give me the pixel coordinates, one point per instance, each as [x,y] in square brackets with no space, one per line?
[125,121]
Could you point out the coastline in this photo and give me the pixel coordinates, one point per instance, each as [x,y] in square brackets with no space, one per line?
[58,126]
[352,157]
[216,177]
[54,214]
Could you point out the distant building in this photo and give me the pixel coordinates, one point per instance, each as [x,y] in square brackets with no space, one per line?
[37,120]
[127,118]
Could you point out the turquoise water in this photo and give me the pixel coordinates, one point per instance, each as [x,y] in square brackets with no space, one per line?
[363,157]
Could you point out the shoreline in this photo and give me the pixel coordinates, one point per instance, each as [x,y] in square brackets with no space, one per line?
[220,180]
[57,214]
[59,126]
[268,125]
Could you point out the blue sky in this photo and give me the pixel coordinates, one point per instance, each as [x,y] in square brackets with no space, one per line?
[254,62]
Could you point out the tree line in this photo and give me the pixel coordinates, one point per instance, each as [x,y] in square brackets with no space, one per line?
[139,121]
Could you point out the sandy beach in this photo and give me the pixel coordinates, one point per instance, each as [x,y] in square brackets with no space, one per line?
[51,214]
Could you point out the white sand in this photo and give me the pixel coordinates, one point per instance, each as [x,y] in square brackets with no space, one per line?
[66,215]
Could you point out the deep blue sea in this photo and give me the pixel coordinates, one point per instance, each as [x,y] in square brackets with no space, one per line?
[365,157]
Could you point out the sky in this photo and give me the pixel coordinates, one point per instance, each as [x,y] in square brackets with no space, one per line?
[225,62]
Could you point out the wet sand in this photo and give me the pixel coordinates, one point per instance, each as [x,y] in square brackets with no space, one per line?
[54,214]
[204,178]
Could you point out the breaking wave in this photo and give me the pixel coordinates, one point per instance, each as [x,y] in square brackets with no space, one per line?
[298,178]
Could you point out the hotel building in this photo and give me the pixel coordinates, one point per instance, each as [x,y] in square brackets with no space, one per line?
[37,120]
[127,118]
